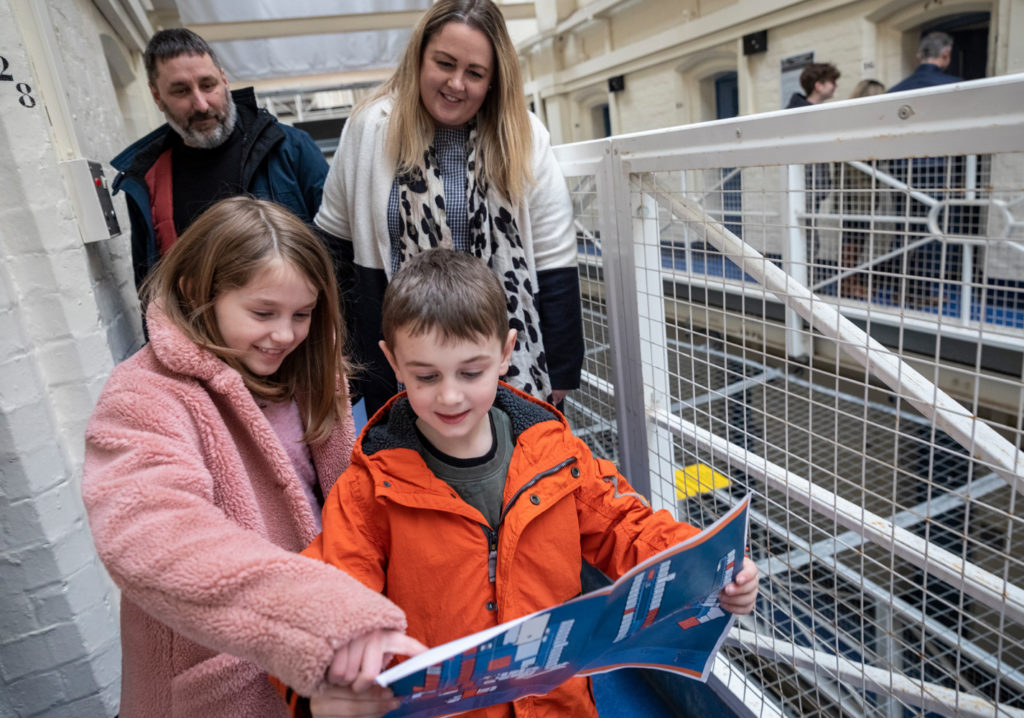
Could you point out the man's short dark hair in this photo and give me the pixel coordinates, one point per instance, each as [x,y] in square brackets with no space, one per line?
[168,44]
[817,72]
[933,44]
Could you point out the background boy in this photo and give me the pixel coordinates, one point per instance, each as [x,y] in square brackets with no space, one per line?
[469,503]
[818,81]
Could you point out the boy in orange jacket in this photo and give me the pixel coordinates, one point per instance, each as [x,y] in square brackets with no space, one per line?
[469,503]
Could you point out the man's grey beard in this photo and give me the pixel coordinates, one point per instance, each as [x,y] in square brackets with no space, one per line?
[214,138]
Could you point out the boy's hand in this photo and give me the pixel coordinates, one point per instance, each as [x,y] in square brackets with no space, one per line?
[740,595]
[337,701]
[357,663]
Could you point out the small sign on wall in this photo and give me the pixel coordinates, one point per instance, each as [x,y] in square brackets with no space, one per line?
[91,196]
[755,42]
[789,78]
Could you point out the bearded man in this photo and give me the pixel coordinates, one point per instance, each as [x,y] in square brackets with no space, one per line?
[216,143]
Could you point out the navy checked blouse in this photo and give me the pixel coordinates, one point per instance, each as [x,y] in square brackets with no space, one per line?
[450,147]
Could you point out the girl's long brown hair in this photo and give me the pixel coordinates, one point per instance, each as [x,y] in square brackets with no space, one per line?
[225,248]
[503,125]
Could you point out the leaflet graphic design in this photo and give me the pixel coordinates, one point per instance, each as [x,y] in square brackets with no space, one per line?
[663,614]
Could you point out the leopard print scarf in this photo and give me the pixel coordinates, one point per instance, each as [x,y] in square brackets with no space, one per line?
[494,238]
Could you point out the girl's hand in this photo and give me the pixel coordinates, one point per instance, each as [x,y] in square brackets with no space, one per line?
[739,596]
[337,702]
[357,663]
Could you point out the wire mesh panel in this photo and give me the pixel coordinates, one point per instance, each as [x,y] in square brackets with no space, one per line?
[916,234]
[842,336]
[591,409]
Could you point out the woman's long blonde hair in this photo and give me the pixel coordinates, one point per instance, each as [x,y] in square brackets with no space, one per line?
[225,248]
[867,88]
[504,136]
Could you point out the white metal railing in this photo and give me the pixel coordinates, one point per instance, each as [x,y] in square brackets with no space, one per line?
[871,400]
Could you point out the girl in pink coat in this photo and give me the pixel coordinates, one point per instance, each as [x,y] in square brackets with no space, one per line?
[207,460]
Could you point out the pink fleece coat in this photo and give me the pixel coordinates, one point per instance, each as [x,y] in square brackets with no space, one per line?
[197,513]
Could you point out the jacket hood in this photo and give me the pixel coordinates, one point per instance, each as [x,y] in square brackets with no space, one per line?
[393,426]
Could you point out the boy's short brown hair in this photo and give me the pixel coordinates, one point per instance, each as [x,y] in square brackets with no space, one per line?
[454,293]
[817,72]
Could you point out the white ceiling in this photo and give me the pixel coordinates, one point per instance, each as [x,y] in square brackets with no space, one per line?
[308,55]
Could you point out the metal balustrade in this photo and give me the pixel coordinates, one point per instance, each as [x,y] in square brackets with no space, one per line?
[825,308]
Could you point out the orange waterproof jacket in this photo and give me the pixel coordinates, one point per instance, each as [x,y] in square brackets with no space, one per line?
[392,524]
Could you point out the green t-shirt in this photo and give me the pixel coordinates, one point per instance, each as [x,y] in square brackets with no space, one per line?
[480,482]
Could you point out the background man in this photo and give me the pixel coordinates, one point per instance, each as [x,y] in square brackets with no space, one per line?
[934,54]
[936,176]
[818,81]
[216,144]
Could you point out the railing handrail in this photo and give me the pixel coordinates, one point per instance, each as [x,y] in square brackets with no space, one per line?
[940,122]
[825,133]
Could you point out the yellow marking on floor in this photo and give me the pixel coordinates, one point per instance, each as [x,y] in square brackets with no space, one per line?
[698,479]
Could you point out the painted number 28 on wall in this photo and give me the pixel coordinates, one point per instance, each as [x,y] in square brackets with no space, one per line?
[24,91]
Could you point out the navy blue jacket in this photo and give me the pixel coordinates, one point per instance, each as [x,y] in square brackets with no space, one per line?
[798,99]
[926,75]
[279,163]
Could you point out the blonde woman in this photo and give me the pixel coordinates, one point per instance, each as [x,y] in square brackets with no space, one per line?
[867,88]
[858,200]
[447,154]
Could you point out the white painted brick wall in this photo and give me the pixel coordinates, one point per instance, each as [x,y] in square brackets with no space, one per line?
[649,99]
[840,35]
[68,312]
